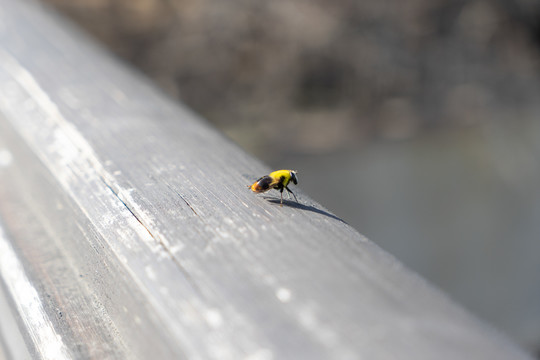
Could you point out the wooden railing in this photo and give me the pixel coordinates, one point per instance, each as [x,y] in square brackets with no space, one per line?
[127,232]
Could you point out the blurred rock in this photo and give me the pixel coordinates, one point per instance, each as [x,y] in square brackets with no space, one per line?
[245,64]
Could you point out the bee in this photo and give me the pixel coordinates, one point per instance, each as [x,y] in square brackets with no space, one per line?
[276,180]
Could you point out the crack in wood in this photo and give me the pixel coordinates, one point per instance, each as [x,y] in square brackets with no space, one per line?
[165,248]
[183,198]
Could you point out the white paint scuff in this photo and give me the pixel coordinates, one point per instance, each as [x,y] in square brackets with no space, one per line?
[5,158]
[47,341]
[284,295]
[213,318]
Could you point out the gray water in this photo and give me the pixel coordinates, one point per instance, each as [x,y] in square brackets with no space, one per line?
[460,208]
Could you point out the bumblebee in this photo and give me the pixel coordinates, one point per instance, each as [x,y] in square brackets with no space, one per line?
[276,180]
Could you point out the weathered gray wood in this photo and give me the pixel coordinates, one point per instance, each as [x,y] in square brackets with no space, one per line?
[127,231]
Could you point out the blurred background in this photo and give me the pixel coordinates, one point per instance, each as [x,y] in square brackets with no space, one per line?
[418,122]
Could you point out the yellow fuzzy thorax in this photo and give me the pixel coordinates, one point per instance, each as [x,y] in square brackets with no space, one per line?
[279,173]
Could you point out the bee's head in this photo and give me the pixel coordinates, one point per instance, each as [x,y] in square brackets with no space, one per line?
[294,177]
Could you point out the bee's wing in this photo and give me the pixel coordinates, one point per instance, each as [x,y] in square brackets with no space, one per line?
[264,184]
[271,181]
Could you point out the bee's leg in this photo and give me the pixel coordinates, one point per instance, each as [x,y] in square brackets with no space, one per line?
[289,191]
[281,204]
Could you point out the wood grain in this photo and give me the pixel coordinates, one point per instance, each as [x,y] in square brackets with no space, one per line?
[131,225]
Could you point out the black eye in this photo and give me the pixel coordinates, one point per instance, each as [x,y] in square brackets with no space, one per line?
[294,178]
